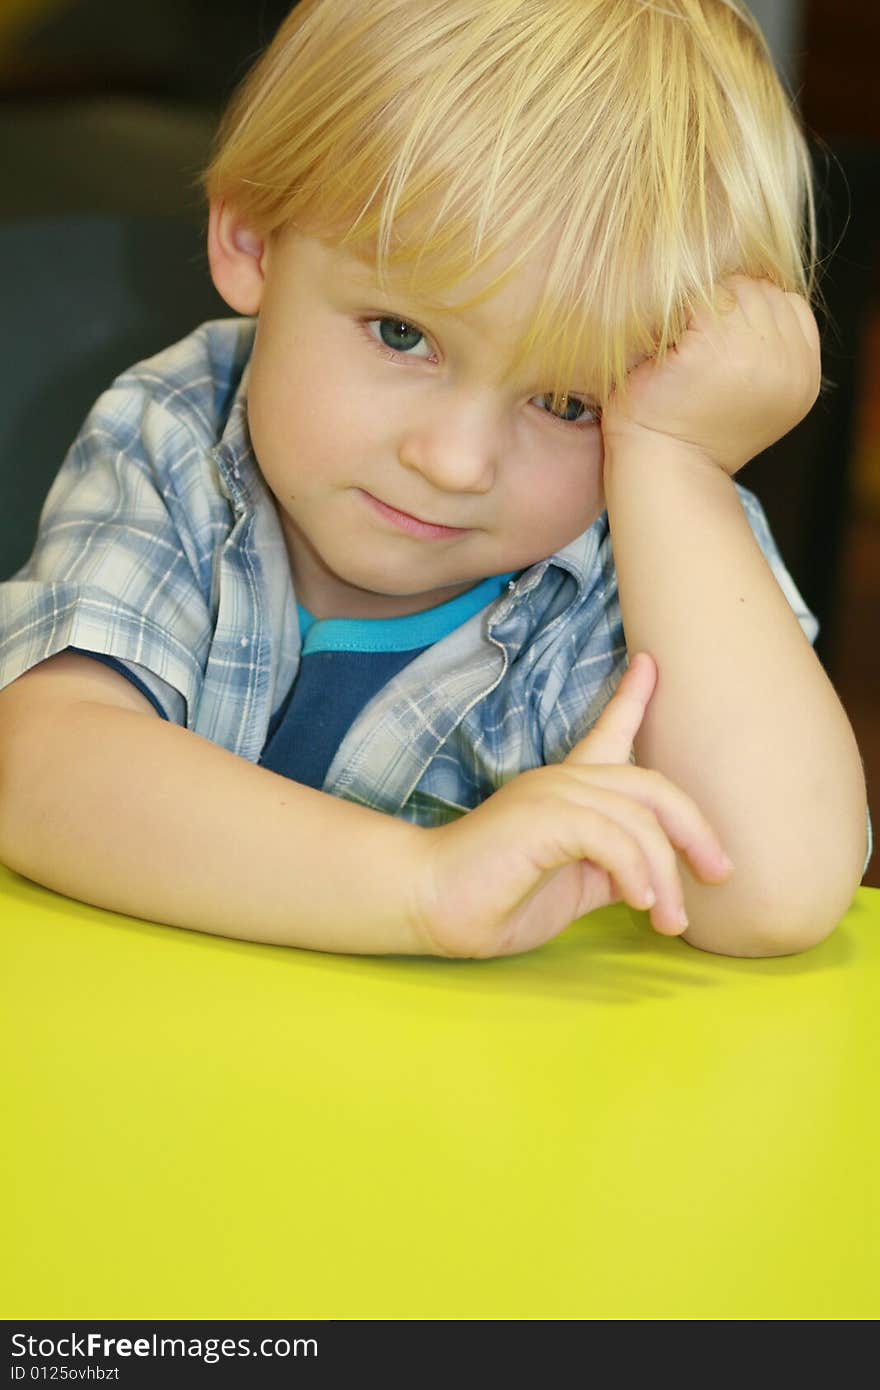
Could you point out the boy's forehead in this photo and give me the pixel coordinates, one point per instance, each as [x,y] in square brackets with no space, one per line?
[500,286]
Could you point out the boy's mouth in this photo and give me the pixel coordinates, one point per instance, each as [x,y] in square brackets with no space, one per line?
[412,525]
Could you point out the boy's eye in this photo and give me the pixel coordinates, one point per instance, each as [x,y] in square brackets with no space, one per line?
[572,410]
[400,336]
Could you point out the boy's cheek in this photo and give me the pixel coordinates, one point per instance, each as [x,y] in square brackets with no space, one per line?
[569,511]
[600,476]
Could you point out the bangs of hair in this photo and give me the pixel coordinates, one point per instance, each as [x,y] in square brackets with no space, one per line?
[644,150]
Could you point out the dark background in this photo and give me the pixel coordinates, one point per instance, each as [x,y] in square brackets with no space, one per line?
[108,110]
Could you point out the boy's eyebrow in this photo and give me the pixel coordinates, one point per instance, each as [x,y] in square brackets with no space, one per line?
[363,270]
[364,274]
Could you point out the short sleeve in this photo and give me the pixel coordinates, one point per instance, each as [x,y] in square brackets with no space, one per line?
[763,535]
[116,569]
[870,851]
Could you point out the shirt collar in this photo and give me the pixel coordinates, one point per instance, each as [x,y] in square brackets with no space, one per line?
[581,560]
[240,478]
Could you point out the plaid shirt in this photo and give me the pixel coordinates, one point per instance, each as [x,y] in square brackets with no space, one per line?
[160,545]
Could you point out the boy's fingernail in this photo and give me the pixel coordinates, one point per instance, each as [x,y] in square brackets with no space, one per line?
[726,862]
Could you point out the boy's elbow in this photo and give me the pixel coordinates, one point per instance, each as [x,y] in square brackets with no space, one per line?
[777,918]
[772,931]
[783,902]
[772,935]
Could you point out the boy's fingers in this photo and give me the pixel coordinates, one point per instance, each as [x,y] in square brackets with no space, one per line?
[611,737]
[627,794]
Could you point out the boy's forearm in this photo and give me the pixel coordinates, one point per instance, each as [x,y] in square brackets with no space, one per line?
[133,814]
[743,718]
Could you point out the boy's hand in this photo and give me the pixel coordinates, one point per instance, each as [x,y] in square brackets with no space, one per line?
[732,387]
[561,841]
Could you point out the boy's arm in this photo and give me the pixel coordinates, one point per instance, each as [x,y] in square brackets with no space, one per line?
[106,802]
[744,718]
[102,800]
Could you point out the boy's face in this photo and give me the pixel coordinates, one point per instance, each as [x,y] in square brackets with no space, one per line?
[405,463]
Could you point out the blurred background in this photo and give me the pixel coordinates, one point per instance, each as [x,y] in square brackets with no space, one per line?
[106,117]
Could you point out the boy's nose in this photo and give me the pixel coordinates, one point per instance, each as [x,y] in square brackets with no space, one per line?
[456,451]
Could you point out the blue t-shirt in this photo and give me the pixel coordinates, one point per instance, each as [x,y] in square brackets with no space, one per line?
[344,662]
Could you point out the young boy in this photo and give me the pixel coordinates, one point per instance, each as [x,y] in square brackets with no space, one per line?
[345,615]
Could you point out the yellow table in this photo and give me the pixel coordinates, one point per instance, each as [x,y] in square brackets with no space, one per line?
[616,1126]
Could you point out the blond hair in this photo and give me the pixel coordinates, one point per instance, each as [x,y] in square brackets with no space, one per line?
[648,149]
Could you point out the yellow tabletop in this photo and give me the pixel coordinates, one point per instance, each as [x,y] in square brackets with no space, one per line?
[614,1126]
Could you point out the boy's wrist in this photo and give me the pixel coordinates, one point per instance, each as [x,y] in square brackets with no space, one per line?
[421,880]
[637,448]
[385,885]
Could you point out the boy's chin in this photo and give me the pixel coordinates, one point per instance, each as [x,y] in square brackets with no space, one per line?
[362,596]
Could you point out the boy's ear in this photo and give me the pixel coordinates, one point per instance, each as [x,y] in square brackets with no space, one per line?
[237,257]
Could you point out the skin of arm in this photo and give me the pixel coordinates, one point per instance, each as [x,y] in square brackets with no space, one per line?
[102,800]
[744,718]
